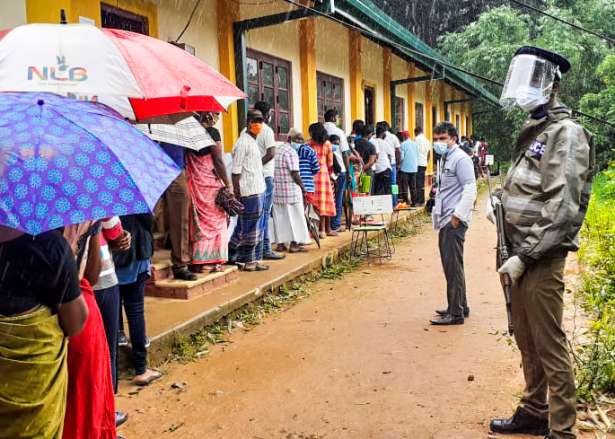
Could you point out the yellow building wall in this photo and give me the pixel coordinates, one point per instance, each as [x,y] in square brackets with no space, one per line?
[372,67]
[48,11]
[333,58]
[356,75]
[399,70]
[12,13]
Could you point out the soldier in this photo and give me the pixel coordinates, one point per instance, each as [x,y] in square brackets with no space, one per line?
[545,198]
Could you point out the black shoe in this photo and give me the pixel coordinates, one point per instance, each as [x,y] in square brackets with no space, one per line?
[447,320]
[120,418]
[184,274]
[443,312]
[274,256]
[521,422]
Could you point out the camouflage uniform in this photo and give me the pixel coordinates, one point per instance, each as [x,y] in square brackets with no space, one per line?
[545,198]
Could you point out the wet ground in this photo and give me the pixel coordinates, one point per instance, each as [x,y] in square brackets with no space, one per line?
[357,359]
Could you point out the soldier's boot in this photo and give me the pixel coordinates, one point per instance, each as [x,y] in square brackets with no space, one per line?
[521,422]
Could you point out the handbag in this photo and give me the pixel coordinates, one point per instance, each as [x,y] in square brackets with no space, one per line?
[226,201]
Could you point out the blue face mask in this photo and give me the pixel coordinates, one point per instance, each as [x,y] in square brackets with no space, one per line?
[441,148]
[295,146]
[335,147]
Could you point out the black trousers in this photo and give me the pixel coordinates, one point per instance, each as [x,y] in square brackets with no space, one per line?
[407,187]
[451,243]
[420,185]
[383,183]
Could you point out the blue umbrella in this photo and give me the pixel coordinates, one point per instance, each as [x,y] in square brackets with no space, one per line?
[64,161]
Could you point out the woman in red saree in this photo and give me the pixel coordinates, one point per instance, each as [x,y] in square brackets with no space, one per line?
[206,174]
[90,405]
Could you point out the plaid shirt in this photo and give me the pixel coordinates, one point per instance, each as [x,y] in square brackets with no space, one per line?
[286,191]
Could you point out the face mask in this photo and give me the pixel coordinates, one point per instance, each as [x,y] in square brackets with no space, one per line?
[295,146]
[256,128]
[335,147]
[441,148]
[531,99]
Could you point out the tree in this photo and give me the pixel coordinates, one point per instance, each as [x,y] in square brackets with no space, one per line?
[602,105]
[487,46]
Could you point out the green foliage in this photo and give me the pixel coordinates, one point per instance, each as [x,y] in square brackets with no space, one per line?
[487,46]
[596,358]
[602,105]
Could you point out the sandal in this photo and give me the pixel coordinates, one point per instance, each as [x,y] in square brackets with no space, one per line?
[254,266]
[297,250]
[146,378]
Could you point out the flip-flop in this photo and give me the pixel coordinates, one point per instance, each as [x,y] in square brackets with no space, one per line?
[297,250]
[153,377]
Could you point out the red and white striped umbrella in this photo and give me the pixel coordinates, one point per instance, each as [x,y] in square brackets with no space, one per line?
[139,76]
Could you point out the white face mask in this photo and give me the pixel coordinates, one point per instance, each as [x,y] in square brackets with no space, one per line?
[441,148]
[530,99]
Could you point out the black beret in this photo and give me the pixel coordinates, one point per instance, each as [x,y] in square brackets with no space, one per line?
[555,58]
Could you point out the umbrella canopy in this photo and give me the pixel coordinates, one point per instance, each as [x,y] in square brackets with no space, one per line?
[188,133]
[137,75]
[64,161]
[312,219]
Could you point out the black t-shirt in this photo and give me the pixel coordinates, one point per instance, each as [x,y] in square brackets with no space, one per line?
[365,148]
[36,271]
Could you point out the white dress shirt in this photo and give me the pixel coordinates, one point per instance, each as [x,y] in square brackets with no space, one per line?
[424,148]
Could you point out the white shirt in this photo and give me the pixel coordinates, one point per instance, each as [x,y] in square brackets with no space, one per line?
[424,148]
[266,140]
[393,141]
[333,129]
[386,153]
[247,162]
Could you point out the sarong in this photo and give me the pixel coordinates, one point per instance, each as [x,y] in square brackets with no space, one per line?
[33,376]
[90,406]
[242,245]
[289,224]
[208,222]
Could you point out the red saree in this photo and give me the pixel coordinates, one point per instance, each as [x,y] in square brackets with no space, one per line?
[208,222]
[90,406]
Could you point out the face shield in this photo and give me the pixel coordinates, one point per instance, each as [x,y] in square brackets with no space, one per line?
[529,82]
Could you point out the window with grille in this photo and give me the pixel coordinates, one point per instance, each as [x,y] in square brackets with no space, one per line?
[419,116]
[116,18]
[330,96]
[400,114]
[269,80]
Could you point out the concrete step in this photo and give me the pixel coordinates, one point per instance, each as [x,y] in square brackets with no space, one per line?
[161,265]
[170,288]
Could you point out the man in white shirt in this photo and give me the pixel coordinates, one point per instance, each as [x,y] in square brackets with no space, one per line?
[451,216]
[266,143]
[395,145]
[341,156]
[249,187]
[424,157]
[382,168]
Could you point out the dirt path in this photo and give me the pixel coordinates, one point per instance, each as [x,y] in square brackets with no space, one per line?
[357,359]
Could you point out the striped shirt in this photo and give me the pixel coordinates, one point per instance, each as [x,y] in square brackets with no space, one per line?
[247,162]
[308,167]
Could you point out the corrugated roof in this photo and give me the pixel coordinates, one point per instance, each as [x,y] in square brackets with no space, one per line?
[375,21]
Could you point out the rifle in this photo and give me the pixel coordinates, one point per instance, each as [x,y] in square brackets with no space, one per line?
[502,250]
